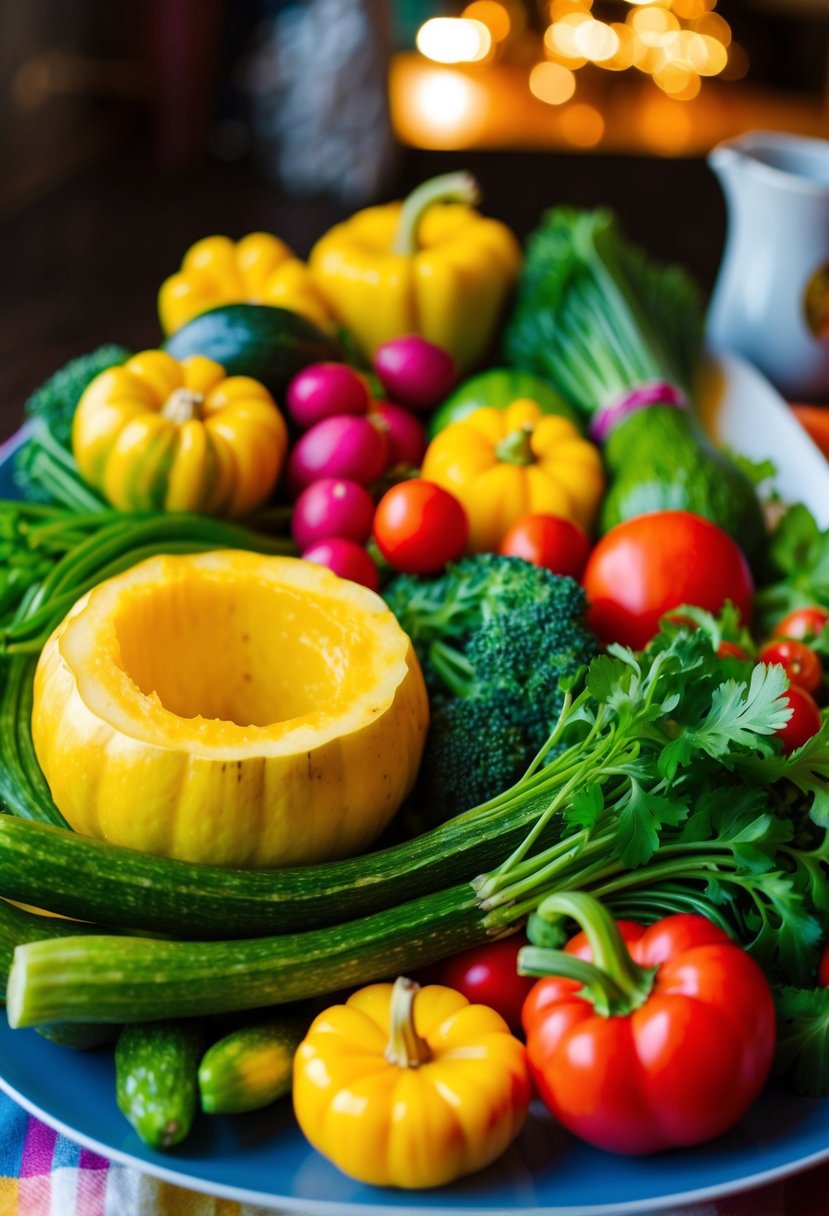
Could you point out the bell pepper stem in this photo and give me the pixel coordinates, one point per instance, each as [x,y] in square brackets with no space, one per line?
[447,188]
[613,981]
[406,1048]
[183,405]
[516,448]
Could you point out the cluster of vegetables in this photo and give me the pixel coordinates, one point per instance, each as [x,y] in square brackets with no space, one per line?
[589,694]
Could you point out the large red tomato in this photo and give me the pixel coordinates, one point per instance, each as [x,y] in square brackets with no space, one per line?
[648,565]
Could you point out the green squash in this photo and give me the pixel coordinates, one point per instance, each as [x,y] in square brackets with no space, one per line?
[498,388]
[269,344]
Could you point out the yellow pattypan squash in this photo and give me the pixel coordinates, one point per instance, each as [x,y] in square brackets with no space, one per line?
[156,434]
[230,708]
[410,1087]
[259,269]
[502,464]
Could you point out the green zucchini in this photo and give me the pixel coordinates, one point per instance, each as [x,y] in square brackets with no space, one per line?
[250,1067]
[133,979]
[80,1036]
[270,344]
[18,926]
[97,881]
[156,1079]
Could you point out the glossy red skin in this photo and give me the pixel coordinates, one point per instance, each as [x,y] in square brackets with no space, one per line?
[732,650]
[801,664]
[648,565]
[549,541]
[419,527]
[804,722]
[680,1069]
[802,623]
[488,975]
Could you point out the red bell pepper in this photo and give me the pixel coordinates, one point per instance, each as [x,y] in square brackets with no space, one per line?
[641,1039]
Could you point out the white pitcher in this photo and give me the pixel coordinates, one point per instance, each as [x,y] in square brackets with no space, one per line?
[771,298]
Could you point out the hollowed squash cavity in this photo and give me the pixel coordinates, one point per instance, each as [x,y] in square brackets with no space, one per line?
[231,708]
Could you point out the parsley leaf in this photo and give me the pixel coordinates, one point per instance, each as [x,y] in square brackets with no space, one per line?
[803,1038]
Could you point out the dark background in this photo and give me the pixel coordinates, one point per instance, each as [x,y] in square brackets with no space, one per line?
[129,131]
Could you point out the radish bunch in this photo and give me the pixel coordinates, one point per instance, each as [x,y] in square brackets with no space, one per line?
[350,441]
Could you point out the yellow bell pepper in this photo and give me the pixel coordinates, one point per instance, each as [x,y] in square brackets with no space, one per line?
[505,463]
[260,269]
[410,1087]
[156,434]
[441,271]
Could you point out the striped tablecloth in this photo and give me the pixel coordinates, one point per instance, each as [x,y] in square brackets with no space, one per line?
[44,1174]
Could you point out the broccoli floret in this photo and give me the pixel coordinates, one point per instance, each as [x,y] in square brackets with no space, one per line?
[494,635]
[44,467]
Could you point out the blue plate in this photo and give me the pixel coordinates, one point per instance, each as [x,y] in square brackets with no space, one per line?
[263,1158]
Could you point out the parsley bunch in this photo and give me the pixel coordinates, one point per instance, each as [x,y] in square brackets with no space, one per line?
[673,795]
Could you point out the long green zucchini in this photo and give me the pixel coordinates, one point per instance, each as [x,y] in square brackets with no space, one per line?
[64,872]
[133,979]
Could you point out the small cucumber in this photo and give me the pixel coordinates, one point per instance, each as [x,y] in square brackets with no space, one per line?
[156,1071]
[251,1067]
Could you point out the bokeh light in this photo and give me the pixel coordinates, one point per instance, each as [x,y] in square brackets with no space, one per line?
[552,83]
[454,40]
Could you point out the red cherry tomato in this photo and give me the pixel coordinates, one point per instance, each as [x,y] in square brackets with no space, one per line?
[648,565]
[548,540]
[488,975]
[800,663]
[419,527]
[732,650]
[804,722]
[802,623]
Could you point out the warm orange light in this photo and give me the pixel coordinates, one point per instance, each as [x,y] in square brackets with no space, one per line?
[552,83]
[738,63]
[652,24]
[687,10]
[454,40]
[562,8]
[596,41]
[713,26]
[664,126]
[494,16]
[582,125]
[448,109]
[560,37]
[622,58]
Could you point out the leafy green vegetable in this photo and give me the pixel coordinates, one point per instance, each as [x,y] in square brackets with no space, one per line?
[797,569]
[596,317]
[600,321]
[803,1039]
[674,793]
[45,469]
[494,635]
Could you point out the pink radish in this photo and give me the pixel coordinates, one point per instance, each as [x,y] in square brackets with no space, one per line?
[405,433]
[346,558]
[322,390]
[414,372]
[332,506]
[342,446]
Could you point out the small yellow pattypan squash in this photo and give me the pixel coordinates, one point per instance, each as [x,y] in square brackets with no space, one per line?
[410,1087]
[155,434]
[502,464]
[259,269]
